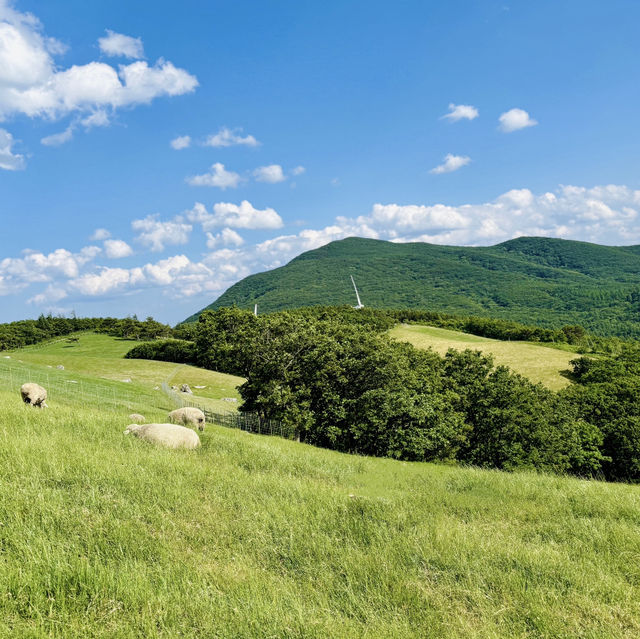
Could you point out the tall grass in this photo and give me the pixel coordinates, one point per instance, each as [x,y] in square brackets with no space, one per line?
[102,535]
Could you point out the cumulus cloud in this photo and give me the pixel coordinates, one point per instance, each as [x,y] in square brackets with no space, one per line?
[298,170]
[156,234]
[99,235]
[607,214]
[226,237]
[17,273]
[460,112]
[181,142]
[451,163]
[9,161]
[178,274]
[515,119]
[242,216]
[33,84]
[117,44]
[116,249]
[230,137]
[271,174]
[218,176]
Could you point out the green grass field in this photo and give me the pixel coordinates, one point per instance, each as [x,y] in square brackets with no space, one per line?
[103,535]
[539,363]
[100,356]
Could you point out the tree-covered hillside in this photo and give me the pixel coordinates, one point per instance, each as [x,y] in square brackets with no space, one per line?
[543,281]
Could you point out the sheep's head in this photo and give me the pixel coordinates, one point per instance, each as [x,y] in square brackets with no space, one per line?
[200,423]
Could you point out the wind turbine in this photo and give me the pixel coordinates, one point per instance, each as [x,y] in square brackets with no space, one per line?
[355,288]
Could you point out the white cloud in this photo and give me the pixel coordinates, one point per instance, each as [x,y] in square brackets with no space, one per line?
[9,160]
[33,84]
[218,176]
[271,174]
[298,170]
[515,119]
[607,214]
[97,118]
[157,235]
[451,163]
[116,249]
[117,44]
[49,295]
[99,235]
[242,216]
[460,112]
[226,237]
[181,142]
[58,138]
[176,274]
[17,273]
[230,137]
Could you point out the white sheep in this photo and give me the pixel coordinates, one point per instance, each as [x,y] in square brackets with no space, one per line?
[168,435]
[188,416]
[137,418]
[34,394]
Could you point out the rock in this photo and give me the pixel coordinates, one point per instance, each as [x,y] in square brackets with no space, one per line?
[185,389]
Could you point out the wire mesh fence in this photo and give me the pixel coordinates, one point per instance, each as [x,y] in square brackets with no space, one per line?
[61,385]
[249,422]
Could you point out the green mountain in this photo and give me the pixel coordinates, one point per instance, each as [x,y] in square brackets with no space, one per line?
[542,281]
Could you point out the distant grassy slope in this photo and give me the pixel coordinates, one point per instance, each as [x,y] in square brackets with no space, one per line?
[101,356]
[104,536]
[541,281]
[537,362]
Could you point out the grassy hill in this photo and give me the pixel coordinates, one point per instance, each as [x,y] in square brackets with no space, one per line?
[537,362]
[95,364]
[541,281]
[102,535]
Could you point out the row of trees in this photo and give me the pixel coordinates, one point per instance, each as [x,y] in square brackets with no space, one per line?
[27,332]
[342,383]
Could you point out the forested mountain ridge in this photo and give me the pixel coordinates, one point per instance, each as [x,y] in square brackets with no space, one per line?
[544,281]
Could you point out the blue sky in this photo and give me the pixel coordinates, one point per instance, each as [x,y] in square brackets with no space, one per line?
[298,123]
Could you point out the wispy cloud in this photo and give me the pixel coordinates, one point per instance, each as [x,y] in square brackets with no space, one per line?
[9,160]
[118,44]
[451,163]
[181,142]
[460,112]
[230,137]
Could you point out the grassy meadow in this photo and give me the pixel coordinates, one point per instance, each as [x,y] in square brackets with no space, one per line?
[538,362]
[103,535]
[101,357]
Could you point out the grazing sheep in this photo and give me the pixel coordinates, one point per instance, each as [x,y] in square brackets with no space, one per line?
[185,389]
[34,394]
[169,435]
[137,418]
[188,416]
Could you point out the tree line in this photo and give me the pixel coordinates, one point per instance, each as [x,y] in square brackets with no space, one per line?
[28,332]
[336,379]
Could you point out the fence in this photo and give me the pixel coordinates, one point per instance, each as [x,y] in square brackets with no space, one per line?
[60,384]
[249,422]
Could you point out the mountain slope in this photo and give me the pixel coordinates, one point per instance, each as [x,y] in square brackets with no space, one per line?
[535,280]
